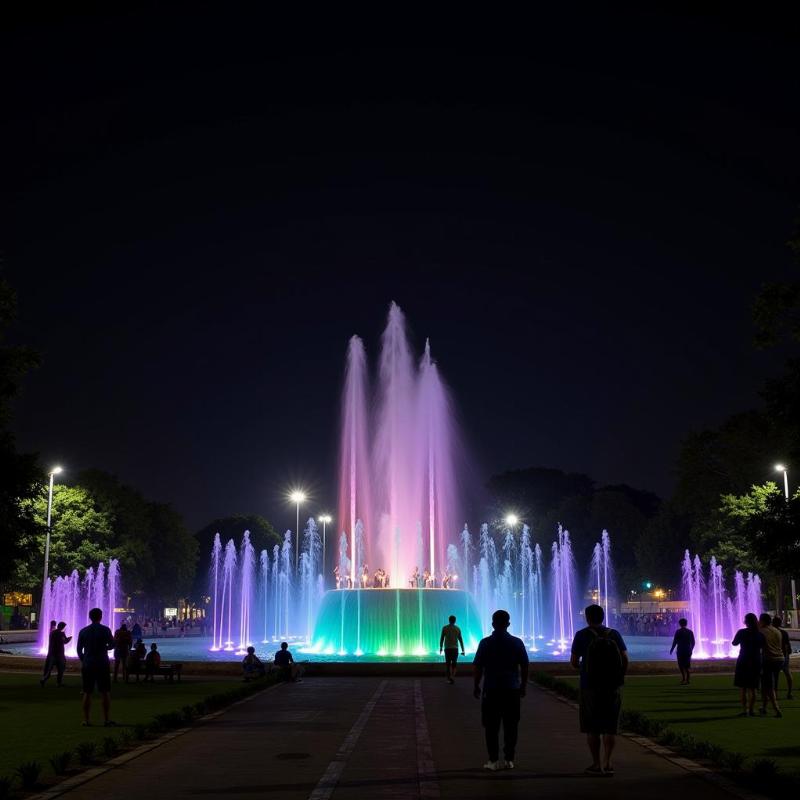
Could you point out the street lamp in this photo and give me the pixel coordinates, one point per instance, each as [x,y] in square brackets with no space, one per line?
[785,471]
[297,497]
[512,520]
[53,472]
[324,519]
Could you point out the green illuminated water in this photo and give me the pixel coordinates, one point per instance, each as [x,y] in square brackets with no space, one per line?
[391,622]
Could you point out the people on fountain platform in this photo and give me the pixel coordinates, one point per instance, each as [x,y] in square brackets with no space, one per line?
[747,675]
[427,579]
[787,651]
[381,579]
[152,662]
[683,640]
[501,663]
[94,642]
[364,576]
[252,665]
[447,579]
[55,654]
[337,576]
[602,658]
[123,641]
[289,670]
[771,664]
[450,641]
[416,579]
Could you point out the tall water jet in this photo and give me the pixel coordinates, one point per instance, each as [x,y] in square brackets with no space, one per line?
[355,485]
[563,572]
[602,575]
[245,584]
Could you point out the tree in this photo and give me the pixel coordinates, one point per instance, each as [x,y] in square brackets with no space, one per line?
[21,479]
[262,535]
[81,536]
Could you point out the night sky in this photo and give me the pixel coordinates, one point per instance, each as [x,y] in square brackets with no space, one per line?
[199,212]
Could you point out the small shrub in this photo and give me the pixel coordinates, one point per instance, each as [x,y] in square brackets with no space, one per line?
[732,760]
[29,772]
[86,752]
[765,768]
[201,708]
[126,736]
[5,787]
[60,762]
[110,747]
[667,737]
[189,714]
[141,731]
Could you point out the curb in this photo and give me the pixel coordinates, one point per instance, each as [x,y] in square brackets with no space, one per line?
[68,784]
[667,753]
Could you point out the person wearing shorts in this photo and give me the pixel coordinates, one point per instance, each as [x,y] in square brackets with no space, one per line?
[771,665]
[94,642]
[450,641]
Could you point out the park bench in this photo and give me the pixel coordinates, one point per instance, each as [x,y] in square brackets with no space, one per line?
[169,671]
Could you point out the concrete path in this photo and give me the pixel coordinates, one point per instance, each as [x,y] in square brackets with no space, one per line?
[385,738]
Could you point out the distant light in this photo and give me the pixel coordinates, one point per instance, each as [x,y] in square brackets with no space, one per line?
[326,518]
[780,468]
[56,470]
[297,496]
[512,520]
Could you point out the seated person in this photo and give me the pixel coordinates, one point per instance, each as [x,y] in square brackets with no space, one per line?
[136,656]
[152,662]
[252,666]
[289,671]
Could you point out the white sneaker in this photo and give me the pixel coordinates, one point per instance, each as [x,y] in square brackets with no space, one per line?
[508,765]
[493,765]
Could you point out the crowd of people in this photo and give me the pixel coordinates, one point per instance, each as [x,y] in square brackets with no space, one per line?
[380,579]
[652,624]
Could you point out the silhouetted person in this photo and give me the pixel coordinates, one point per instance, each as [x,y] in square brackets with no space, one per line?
[771,664]
[122,647]
[602,658]
[152,662]
[48,661]
[501,662]
[136,631]
[450,641]
[747,676]
[683,640]
[289,671]
[94,642]
[787,651]
[252,666]
[55,654]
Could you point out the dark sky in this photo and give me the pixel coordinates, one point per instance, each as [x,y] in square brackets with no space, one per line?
[199,212]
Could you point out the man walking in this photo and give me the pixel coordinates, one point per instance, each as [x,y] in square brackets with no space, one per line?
[684,641]
[55,654]
[94,642]
[601,656]
[450,641]
[501,662]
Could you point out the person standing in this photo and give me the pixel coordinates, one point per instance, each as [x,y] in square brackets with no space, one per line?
[787,651]
[602,658]
[501,663]
[683,640]
[48,659]
[55,654]
[771,665]
[94,642]
[750,642]
[123,641]
[450,640]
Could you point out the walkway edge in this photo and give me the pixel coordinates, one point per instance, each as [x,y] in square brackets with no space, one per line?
[68,784]
[670,755]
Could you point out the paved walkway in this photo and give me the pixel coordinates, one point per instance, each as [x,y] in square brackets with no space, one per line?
[385,738]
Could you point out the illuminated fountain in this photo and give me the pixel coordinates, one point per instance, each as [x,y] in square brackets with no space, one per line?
[602,576]
[713,614]
[69,599]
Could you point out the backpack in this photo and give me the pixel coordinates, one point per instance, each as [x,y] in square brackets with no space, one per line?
[603,660]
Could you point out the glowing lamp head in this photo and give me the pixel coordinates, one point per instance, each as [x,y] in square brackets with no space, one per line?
[326,518]
[780,468]
[297,497]
[56,470]
[512,520]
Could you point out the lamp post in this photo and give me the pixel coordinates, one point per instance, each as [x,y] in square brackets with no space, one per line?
[785,471]
[297,497]
[53,472]
[511,521]
[324,519]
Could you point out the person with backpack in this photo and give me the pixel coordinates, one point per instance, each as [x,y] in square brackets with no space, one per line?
[602,658]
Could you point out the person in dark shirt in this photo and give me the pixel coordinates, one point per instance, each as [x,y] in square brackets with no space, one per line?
[152,662]
[252,665]
[289,671]
[136,631]
[683,640]
[602,658]
[747,675]
[122,647]
[786,644]
[94,642]
[501,662]
[48,660]
[55,654]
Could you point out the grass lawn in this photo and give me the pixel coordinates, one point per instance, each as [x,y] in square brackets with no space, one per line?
[707,710]
[38,723]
